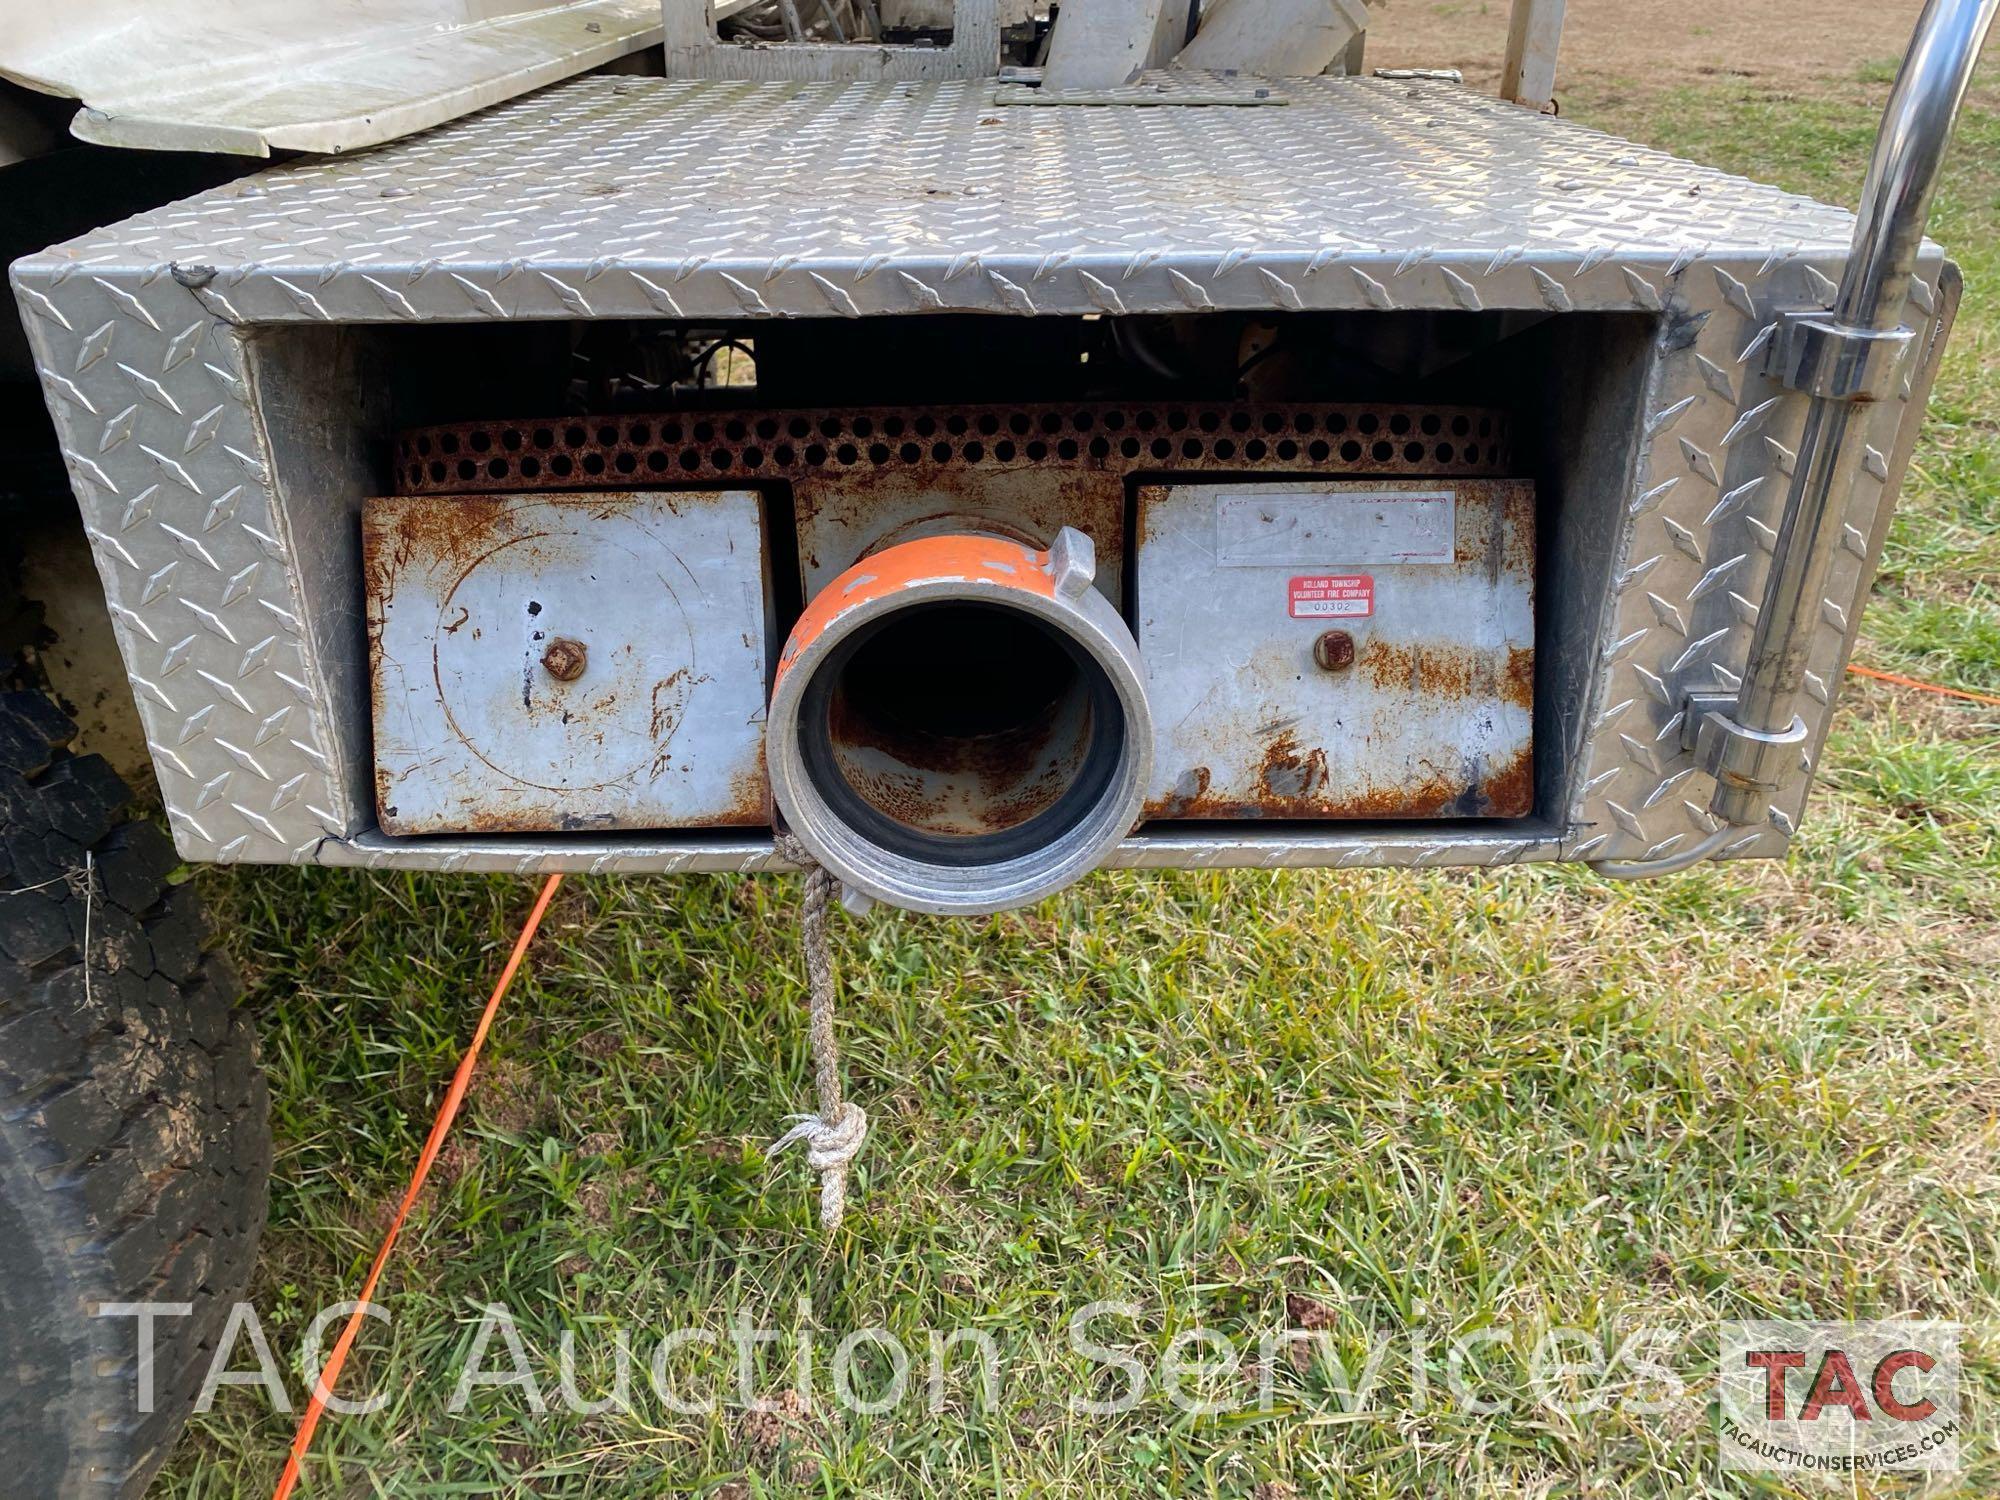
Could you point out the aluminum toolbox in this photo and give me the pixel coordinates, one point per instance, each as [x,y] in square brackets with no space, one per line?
[213,370]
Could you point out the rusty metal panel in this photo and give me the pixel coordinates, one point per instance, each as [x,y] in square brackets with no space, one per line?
[1319,649]
[821,445]
[567,662]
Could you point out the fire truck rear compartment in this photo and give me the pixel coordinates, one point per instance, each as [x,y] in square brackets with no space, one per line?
[1342,543]
[236,376]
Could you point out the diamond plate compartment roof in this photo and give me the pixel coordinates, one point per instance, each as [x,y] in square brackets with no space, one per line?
[621,196]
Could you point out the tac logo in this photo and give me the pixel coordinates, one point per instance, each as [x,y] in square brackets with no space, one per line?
[1839,1398]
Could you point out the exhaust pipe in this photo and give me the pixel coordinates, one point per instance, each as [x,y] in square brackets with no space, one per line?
[958,724]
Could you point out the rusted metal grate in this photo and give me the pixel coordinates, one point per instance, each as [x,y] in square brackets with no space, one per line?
[740,446]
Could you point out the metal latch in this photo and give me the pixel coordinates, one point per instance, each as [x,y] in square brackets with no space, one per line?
[1817,353]
[1836,362]
[1746,761]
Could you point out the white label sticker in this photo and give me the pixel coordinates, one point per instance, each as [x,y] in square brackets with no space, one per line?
[1260,527]
[1324,596]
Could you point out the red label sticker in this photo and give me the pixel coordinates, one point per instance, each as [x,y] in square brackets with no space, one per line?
[1341,596]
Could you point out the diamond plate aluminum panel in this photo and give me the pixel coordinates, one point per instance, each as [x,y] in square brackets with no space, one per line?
[639,198]
[1166,848]
[327,75]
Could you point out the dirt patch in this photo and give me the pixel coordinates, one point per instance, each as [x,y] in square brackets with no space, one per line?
[1302,1311]
[456,1157]
[1644,41]
[775,1431]
[511,1099]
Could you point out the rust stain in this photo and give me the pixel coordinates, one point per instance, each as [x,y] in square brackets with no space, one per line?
[1435,669]
[1291,779]
[565,659]
[859,507]
[668,703]
[397,531]
[1446,669]
[1517,681]
[1510,791]
[1507,792]
[1189,796]
[749,804]
[385,810]
[1030,800]
[484,820]
[1517,511]
[1288,775]
[951,783]
[906,796]
[1494,522]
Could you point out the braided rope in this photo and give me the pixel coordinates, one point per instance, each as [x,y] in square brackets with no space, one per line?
[834,1134]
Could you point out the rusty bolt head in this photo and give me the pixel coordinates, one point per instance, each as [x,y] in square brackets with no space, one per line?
[1333,651]
[565,659]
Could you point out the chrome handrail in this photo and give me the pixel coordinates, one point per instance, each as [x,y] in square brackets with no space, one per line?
[1850,355]
[1847,357]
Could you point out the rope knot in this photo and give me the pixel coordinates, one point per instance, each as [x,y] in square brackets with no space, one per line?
[829,1148]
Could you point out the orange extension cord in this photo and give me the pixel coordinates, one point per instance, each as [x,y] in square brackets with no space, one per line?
[440,1128]
[455,1096]
[1923,687]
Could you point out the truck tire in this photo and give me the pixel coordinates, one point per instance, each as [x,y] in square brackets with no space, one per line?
[135,1147]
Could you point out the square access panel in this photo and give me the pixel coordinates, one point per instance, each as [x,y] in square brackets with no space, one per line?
[1324,649]
[555,662]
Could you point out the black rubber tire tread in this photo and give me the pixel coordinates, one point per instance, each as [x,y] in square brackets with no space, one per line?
[135,1147]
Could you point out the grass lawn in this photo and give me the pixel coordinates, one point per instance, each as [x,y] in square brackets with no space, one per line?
[1379,1105]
